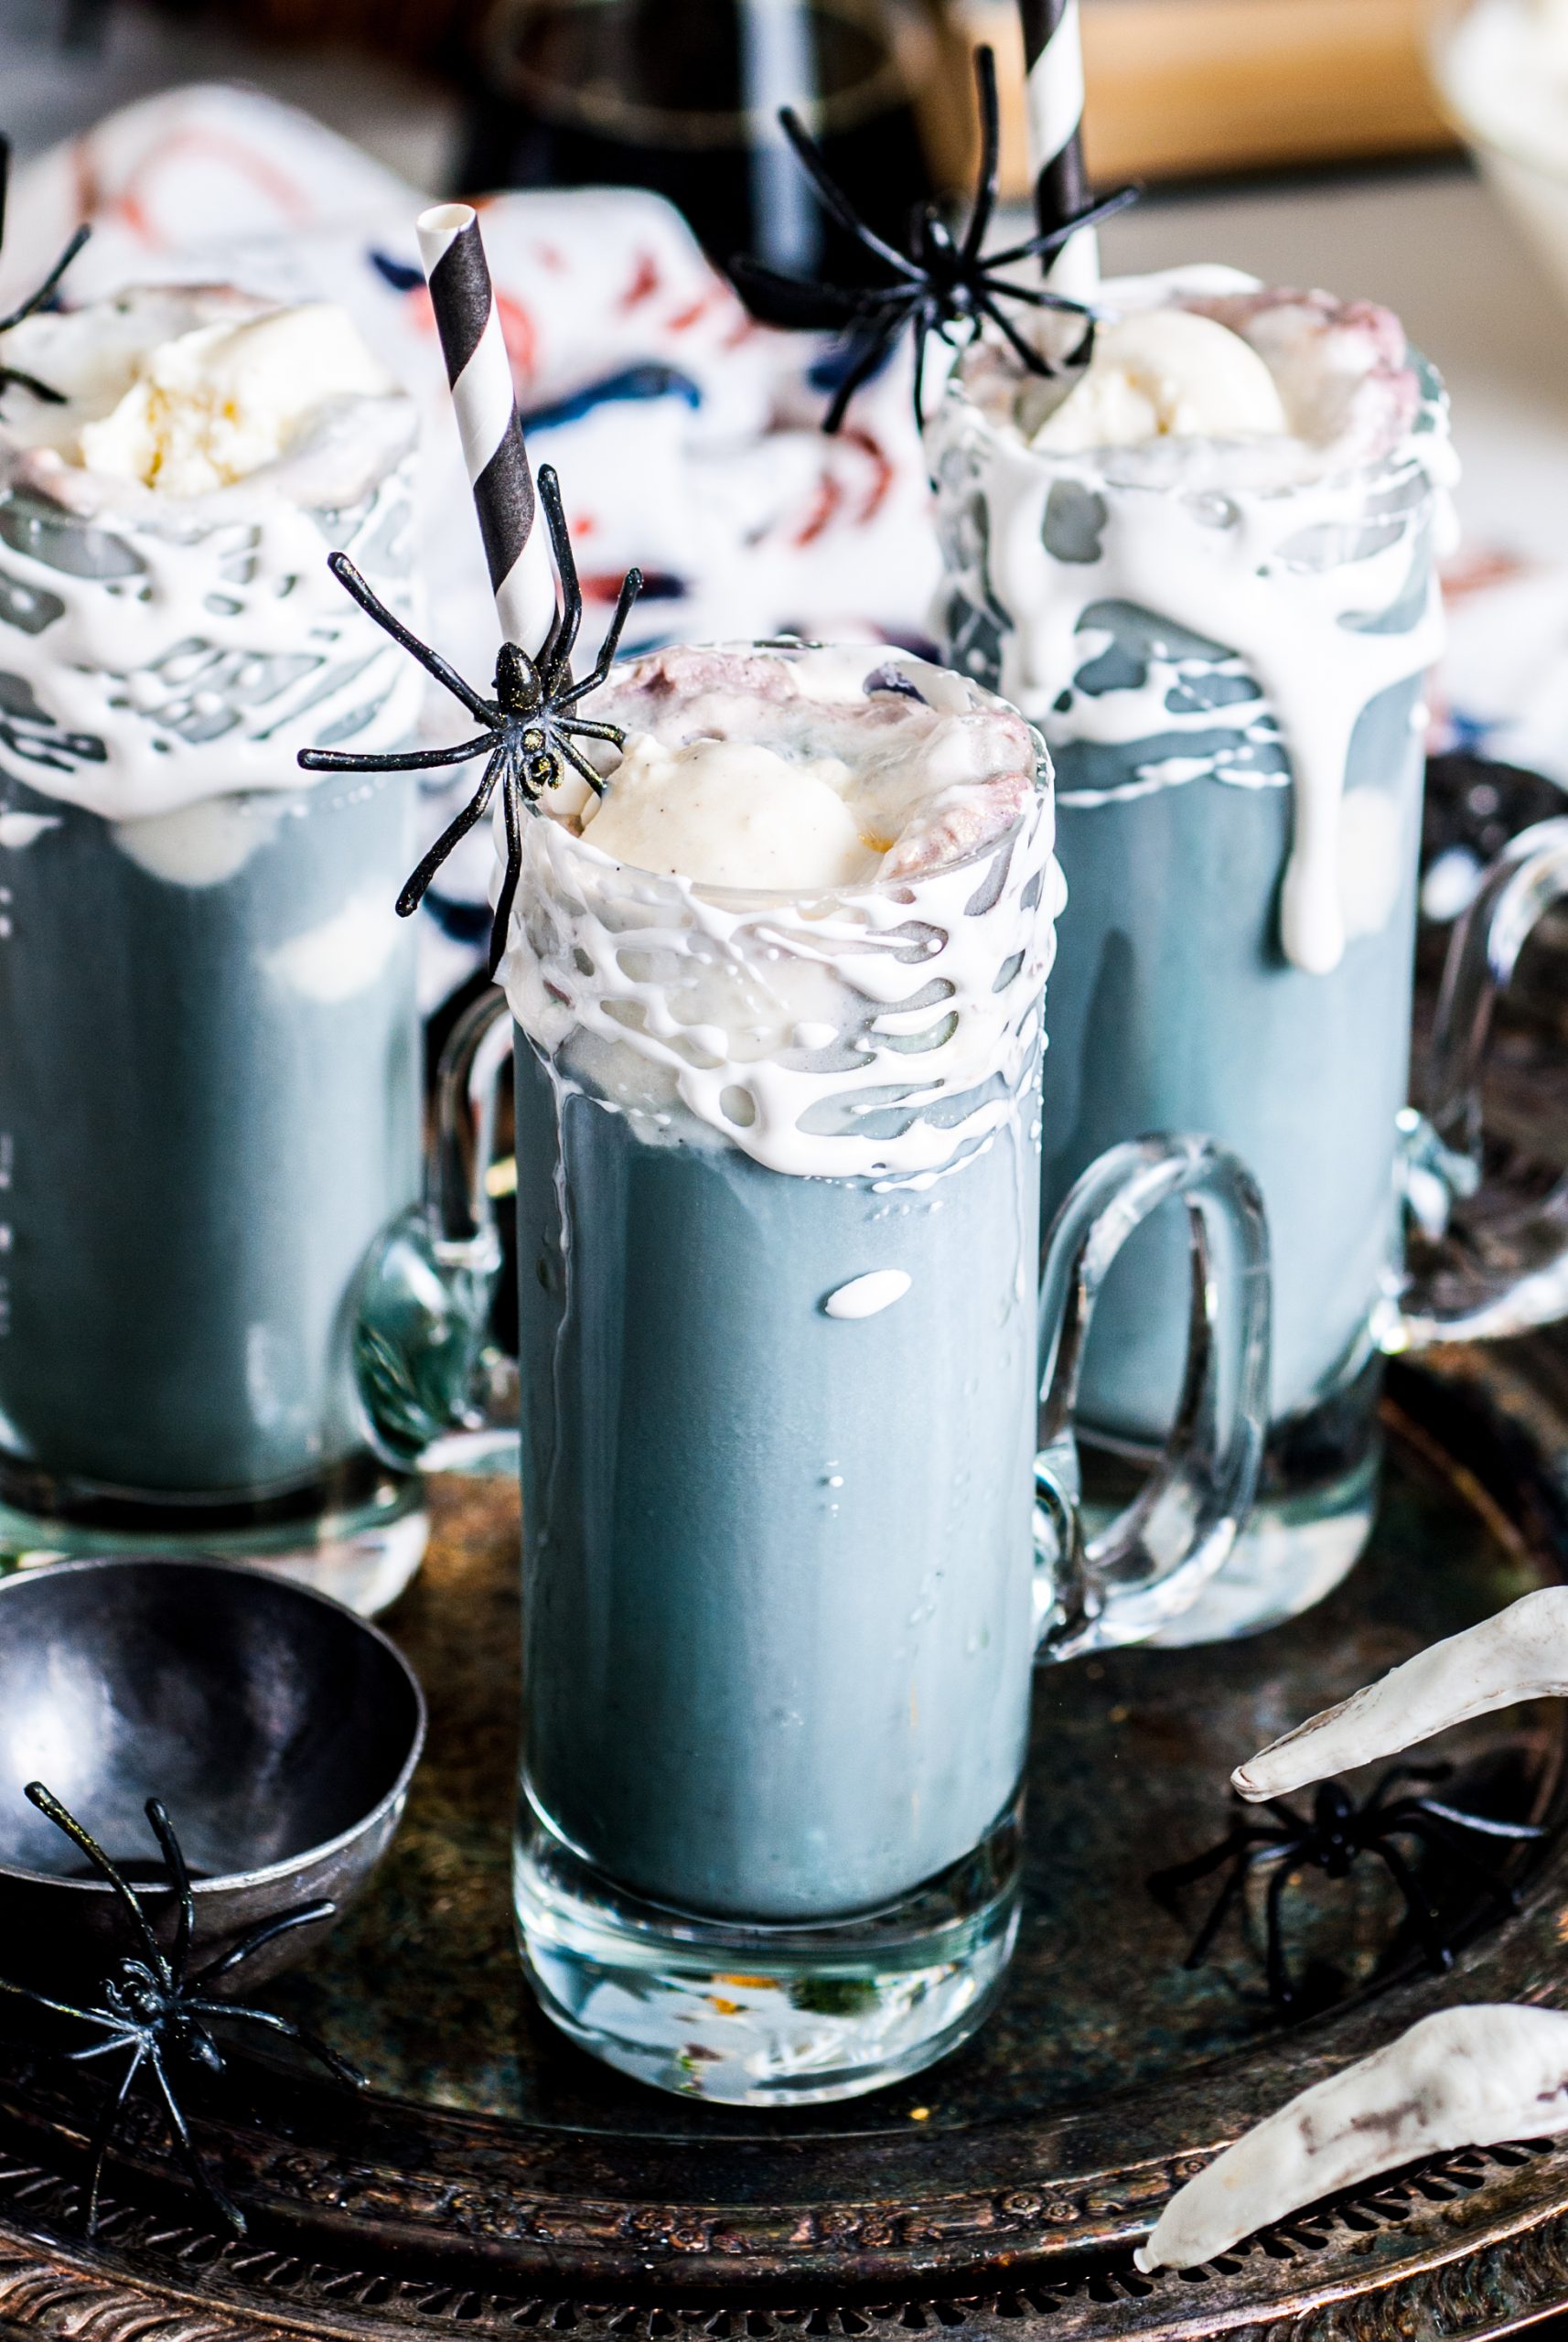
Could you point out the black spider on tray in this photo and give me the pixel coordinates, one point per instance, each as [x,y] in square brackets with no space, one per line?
[941,284]
[530,725]
[12,376]
[156,2011]
[1339,1832]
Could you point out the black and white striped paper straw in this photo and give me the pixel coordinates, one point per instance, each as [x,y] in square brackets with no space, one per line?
[521,576]
[1053,86]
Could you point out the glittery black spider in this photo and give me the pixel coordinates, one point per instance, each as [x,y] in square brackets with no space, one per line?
[154,2011]
[1339,1833]
[530,725]
[13,376]
[940,284]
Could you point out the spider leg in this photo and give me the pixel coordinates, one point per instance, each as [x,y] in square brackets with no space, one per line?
[36,300]
[13,376]
[591,729]
[1038,296]
[215,2195]
[864,362]
[1180,1874]
[1487,1828]
[923,330]
[1245,1861]
[401,760]
[556,655]
[579,764]
[833,198]
[1281,1992]
[179,1878]
[1431,1832]
[57,2008]
[123,2038]
[1420,1913]
[1415,1774]
[501,925]
[344,2071]
[793,300]
[413,895]
[304,1916]
[348,578]
[990,151]
[103,2135]
[1039,247]
[49,1805]
[630,587]
[1031,357]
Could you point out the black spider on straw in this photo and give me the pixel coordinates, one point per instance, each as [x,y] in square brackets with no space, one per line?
[156,2011]
[12,376]
[530,725]
[940,284]
[1339,1833]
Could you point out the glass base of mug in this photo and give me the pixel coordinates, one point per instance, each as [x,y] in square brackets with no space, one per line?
[1293,1552]
[1316,1501]
[765,2015]
[359,1540]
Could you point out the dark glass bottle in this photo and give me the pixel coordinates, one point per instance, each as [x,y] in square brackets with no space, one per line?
[683,96]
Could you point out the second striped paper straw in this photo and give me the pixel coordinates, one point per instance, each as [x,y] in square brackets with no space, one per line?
[1053,68]
[480,373]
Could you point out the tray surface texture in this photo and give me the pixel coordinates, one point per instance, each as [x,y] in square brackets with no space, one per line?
[497,2180]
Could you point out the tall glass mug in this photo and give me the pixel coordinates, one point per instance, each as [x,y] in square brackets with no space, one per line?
[209,1068]
[1224,639]
[794,1527]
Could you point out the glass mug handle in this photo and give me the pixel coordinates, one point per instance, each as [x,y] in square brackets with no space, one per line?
[423,1362]
[1491,1263]
[1154,1560]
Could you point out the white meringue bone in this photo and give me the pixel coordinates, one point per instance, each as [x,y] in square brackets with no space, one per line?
[1519,1654]
[1465,2077]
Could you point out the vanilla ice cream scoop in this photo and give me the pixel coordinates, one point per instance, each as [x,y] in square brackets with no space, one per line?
[730,813]
[214,404]
[1165,373]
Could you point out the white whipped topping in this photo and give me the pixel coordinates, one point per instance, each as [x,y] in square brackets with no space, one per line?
[786,768]
[730,813]
[1290,552]
[216,404]
[167,605]
[1165,372]
[879,1027]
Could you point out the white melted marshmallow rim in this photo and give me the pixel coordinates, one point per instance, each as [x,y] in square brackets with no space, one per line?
[1308,555]
[165,648]
[879,1030]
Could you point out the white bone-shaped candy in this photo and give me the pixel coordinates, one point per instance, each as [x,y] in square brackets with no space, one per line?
[1465,2078]
[1521,1654]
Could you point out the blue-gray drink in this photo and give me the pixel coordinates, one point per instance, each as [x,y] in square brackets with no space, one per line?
[1205,567]
[779,1220]
[209,1068]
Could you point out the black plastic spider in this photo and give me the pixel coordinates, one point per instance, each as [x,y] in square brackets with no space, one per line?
[529,725]
[940,284]
[13,376]
[154,2009]
[1339,1833]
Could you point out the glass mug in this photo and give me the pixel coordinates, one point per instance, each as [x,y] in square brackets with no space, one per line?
[209,1052]
[1175,1005]
[210,1111]
[797,1520]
